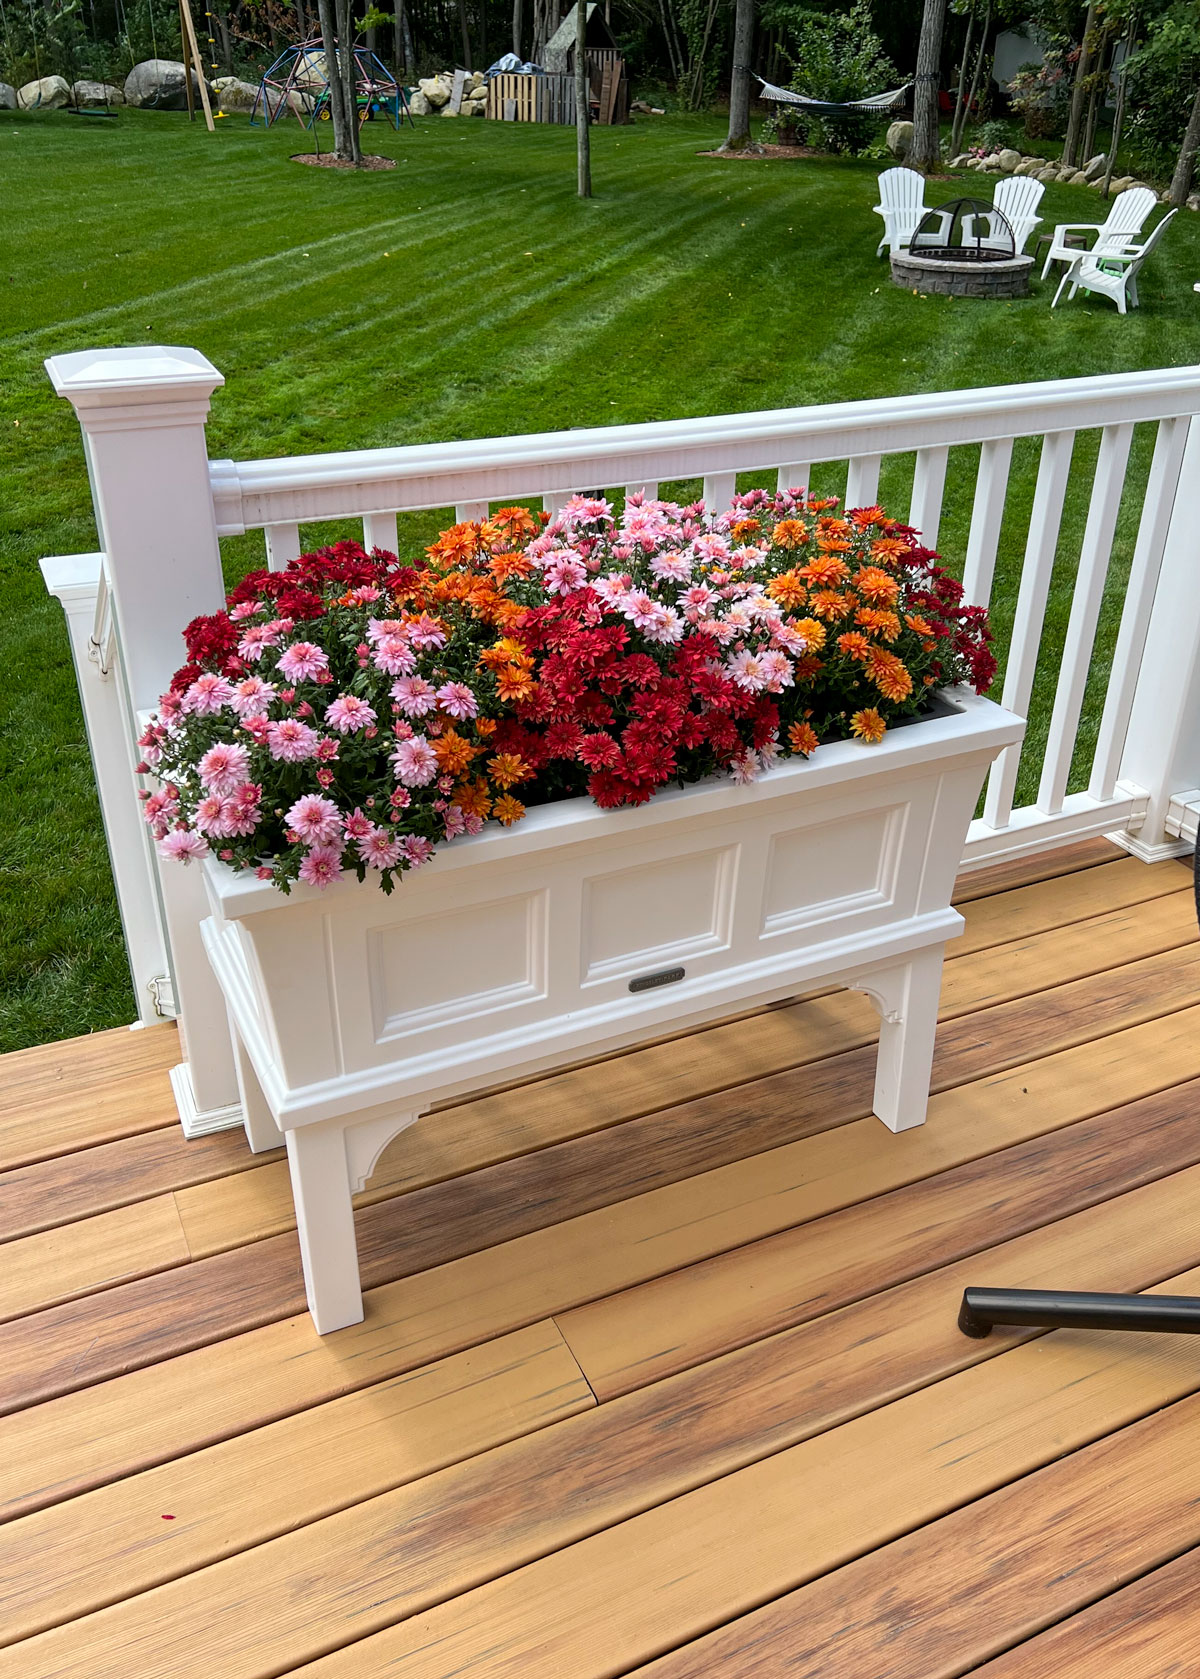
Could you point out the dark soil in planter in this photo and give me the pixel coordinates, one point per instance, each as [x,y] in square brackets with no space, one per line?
[328,161]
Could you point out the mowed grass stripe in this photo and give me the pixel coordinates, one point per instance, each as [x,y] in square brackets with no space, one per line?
[132,1421]
[76,1557]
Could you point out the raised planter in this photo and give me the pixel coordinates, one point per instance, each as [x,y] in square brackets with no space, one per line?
[583,931]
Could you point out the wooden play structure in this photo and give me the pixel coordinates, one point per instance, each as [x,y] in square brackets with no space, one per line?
[527,96]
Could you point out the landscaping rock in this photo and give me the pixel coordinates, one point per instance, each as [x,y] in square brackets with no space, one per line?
[1193,201]
[1047,176]
[50,94]
[96,93]
[899,139]
[437,90]
[1095,166]
[447,112]
[1119,184]
[157,85]
[1008,160]
[235,95]
[8,97]
[962,161]
[1078,178]
[418,104]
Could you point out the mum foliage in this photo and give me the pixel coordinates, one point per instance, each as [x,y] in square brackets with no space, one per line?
[353,711]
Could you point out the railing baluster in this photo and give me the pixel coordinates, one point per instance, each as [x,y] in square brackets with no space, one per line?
[1053,471]
[283,545]
[379,531]
[1085,615]
[719,491]
[929,484]
[862,481]
[1139,600]
[555,501]
[793,477]
[468,511]
[991,488]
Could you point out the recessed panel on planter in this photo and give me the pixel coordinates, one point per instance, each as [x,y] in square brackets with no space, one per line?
[829,870]
[457,964]
[656,913]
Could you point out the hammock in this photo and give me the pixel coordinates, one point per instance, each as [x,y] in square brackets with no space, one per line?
[880,104]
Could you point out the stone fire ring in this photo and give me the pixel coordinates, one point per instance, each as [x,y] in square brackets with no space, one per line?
[1007,278]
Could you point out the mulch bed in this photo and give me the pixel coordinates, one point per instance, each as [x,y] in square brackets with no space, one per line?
[328,161]
[767,151]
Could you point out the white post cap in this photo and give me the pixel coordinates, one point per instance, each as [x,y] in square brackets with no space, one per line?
[127,379]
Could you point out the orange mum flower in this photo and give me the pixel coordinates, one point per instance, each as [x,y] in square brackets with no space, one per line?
[887,548]
[832,527]
[890,675]
[513,685]
[507,768]
[515,521]
[876,587]
[827,603]
[802,738]
[853,644]
[485,726]
[788,591]
[745,529]
[868,725]
[455,546]
[473,798]
[917,624]
[508,810]
[807,666]
[863,516]
[453,752]
[886,625]
[823,571]
[506,565]
[789,533]
[812,632]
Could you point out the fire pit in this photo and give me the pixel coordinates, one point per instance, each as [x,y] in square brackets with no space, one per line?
[963,249]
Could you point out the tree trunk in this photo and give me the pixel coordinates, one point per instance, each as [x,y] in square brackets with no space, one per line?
[410,52]
[926,147]
[978,70]
[583,135]
[342,145]
[738,138]
[960,109]
[1119,113]
[517,22]
[1181,180]
[1070,151]
[466,35]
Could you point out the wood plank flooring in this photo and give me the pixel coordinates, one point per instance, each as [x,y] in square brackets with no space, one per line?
[660,1371]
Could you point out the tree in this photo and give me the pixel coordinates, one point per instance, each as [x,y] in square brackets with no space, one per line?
[1185,167]
[517,21]
[926,143]
[738,138]
[583,134]
[1083,64]
[345,132]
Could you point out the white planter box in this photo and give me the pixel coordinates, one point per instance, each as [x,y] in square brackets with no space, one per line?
[581,931]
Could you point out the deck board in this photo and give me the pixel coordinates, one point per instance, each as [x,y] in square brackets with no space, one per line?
[660,1370]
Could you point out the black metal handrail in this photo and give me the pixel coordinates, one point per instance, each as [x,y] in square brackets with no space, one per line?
[1052,1308]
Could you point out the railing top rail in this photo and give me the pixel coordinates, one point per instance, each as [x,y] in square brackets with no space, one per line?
[249,494]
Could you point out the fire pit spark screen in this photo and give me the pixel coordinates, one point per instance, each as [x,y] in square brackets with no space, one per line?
[965,230]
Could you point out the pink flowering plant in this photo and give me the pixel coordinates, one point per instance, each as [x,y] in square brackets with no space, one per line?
[353,712]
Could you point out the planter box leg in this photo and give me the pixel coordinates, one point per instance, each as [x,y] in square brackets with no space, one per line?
[325,1219]
[262,1133]
[907,999]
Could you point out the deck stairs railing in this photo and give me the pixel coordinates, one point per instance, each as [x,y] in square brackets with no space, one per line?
[1113,524]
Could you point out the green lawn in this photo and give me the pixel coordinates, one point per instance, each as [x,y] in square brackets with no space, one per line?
[465,293]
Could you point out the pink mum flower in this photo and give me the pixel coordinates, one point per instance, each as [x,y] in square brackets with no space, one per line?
[317,821]
[255,640]
[243,809]
[675,568]
[380,848]
[303,661]
[744,768]
[170,708]
[356,826]
[207,695]
[415,762]
[564,574]
[290,740]
[212,815]
[322,866]
[427,632]
[223,767]
[747,670]
[394,656]
[457,700]
[181,845]
[416,850]
[414,695]
[348,714]
[252,696]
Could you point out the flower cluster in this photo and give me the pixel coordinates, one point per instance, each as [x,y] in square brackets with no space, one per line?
[353,711]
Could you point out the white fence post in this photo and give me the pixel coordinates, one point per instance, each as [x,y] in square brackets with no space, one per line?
[142,412]
[1162,746]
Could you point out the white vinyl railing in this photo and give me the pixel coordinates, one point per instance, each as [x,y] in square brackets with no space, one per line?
[162,506]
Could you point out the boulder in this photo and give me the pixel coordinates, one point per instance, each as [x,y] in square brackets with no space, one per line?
[1119,184]
[899,139]
[235,95]
[8,97]
[437,89]
[1008,159]
[1193,201]
[1047,176]
[961,161]
[96,93]
[157,85]
[1095,166]
[419,105]
[50,94]
[447,112]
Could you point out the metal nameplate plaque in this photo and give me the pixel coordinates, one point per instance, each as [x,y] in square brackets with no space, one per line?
[651,982]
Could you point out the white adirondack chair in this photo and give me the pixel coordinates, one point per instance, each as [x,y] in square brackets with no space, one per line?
[1016,198]
[1122,226]
[902,205]
[1111,273]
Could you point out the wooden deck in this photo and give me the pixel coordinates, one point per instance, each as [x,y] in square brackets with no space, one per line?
[660,1372]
